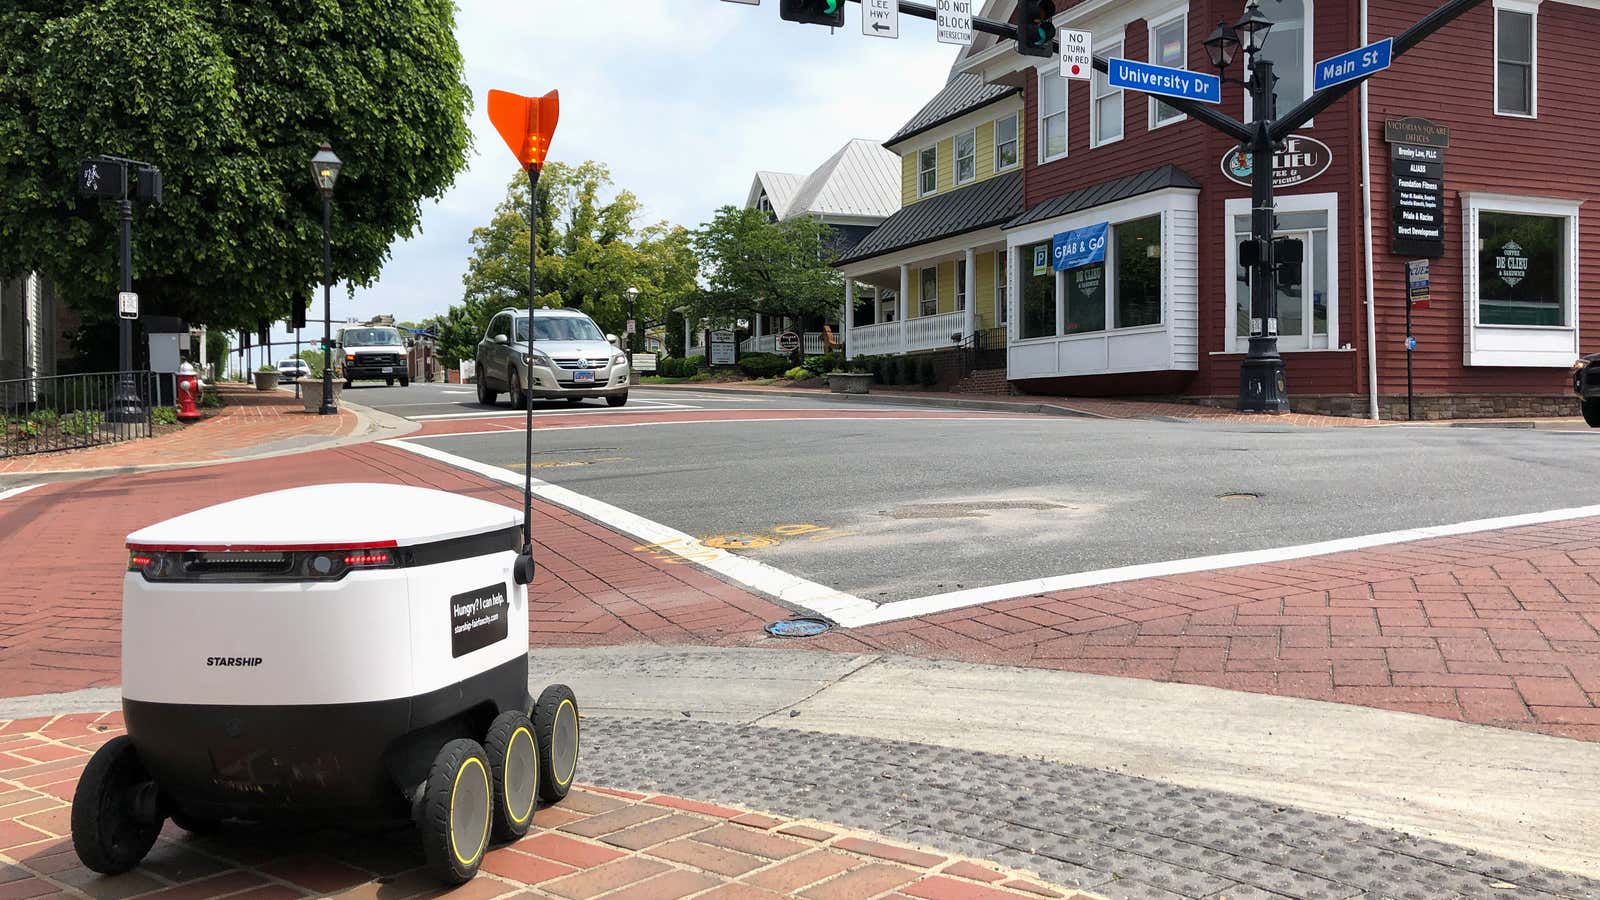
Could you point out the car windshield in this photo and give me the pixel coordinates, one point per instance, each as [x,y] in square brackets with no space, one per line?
[559,328]
[370,337]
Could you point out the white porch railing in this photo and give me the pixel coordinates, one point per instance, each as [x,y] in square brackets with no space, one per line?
[811,345]
[767,343]
[921,333]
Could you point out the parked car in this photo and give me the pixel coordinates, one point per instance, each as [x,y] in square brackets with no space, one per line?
[1586,384]
[374,352]
[568,359]
[293,370]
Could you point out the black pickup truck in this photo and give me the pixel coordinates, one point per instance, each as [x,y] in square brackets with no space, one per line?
[1586,383]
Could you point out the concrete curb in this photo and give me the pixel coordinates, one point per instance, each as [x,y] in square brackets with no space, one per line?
[1043,409]
[371,425]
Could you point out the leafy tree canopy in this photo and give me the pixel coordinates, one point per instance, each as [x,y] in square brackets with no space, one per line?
[752,264]
[590,252]
[229,100]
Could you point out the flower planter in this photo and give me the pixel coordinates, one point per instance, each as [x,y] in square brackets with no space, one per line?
[850,382]
[266,381]
[311,393]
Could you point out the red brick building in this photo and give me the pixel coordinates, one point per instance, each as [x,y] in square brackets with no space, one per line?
[1513,295]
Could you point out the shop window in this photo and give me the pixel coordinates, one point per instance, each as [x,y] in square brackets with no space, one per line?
[1002,282]
[1515,43]
[1052,116]
[1169,46]
[928,298]
[966,157]
[1138,255]
[1305,311]
[1086,298]
[928,171]
[1005,143]
[961,285]
[1289,47]
[1038,291]
[1106,109]
[1521,269]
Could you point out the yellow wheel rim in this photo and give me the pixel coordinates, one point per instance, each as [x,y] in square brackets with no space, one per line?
[564,743]
[466,817]
[521,782]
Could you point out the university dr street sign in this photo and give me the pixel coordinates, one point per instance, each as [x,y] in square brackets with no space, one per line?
[1163,81]
[1353,64]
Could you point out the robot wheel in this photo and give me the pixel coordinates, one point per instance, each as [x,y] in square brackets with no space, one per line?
[555,722]
[455,814]
[513,753]
[116,813]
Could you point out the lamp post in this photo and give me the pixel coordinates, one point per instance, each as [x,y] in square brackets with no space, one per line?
[633,322]
[325,171]
[1261,379]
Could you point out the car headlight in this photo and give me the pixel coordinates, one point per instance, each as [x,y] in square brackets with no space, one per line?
[536,359]
[618,360]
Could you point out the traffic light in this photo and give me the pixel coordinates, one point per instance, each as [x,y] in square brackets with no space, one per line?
[1035,27]
[1288,254]
[297,314]
[813,12]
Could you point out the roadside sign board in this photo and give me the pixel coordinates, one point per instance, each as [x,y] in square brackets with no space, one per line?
[1077,54]
[1417,198]
[642,362]
[953,22]
[127,305]
[633,325]
[1164,81]
[788,342]
[724,347]
[880,18]
[1353,64]
[1417,283]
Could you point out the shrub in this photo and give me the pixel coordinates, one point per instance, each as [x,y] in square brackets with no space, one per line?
[164,415]
[821,365]
[763,365]
[210,398]
[81,422]
[266,368]
[693,364]
[877,367]
[926,374]
[800,373]
[43,417]
[668,367]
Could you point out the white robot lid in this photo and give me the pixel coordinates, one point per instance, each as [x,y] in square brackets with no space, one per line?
[331,515]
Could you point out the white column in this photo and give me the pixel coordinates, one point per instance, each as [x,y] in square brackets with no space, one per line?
[755,331]
[970,324]
[849,313]
[901,306]
[877,305]
[688,330]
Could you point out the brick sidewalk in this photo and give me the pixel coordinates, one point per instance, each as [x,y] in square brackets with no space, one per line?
[248,419]
[597,841]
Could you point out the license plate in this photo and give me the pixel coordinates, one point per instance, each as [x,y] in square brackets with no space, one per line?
[583,376]
[388,369]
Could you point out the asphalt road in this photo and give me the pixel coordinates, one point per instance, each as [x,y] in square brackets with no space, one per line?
[895,509]
[425,401]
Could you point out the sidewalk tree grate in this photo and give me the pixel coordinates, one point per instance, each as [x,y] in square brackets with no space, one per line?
[801,627]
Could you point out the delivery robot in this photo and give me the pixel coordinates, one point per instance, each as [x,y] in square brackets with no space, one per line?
[362,669]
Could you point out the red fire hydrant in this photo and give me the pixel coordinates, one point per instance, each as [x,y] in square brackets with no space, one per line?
[188,392]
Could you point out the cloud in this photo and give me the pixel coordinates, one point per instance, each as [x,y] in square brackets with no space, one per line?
[684,99]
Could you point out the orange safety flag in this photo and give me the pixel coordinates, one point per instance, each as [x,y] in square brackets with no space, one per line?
[525,123]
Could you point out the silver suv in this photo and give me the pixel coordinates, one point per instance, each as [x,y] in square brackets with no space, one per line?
[570,359]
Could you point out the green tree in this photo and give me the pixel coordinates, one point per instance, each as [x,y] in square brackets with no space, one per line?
[753,264]
[590,252]
[229,100]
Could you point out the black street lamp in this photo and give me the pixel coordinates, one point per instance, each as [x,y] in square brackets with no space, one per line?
[325,171]
[1261,380]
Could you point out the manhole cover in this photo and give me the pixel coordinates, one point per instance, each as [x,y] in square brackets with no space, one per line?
[1239,495]
[798,628]
[739,542]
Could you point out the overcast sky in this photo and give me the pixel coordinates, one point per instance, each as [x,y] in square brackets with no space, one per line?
[684,99]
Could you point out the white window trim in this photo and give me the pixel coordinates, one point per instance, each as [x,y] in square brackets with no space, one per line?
[1526,346]
[1311,64]
[1016,139]
[1531,8]
[922,286]
[1153,23]
[961,286]
[955,157]
[921,171]
[1240,206]
[1066,116]
[1110,50]
[1002,288]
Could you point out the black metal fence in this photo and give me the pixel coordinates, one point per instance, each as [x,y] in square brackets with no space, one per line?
[65,412]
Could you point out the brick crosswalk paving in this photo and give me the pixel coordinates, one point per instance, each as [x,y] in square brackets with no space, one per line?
[1498,628]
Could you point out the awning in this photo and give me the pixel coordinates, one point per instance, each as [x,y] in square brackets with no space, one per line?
[972,208]
[1105,192]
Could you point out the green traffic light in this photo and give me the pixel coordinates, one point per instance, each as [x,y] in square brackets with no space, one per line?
[831,6]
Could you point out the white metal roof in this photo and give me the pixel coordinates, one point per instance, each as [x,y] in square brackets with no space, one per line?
[780,187]
[862,179]
[332,514]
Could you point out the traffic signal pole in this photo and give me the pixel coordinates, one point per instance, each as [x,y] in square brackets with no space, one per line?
[1262,367]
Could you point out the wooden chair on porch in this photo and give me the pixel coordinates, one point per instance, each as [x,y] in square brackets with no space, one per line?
[830,344]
